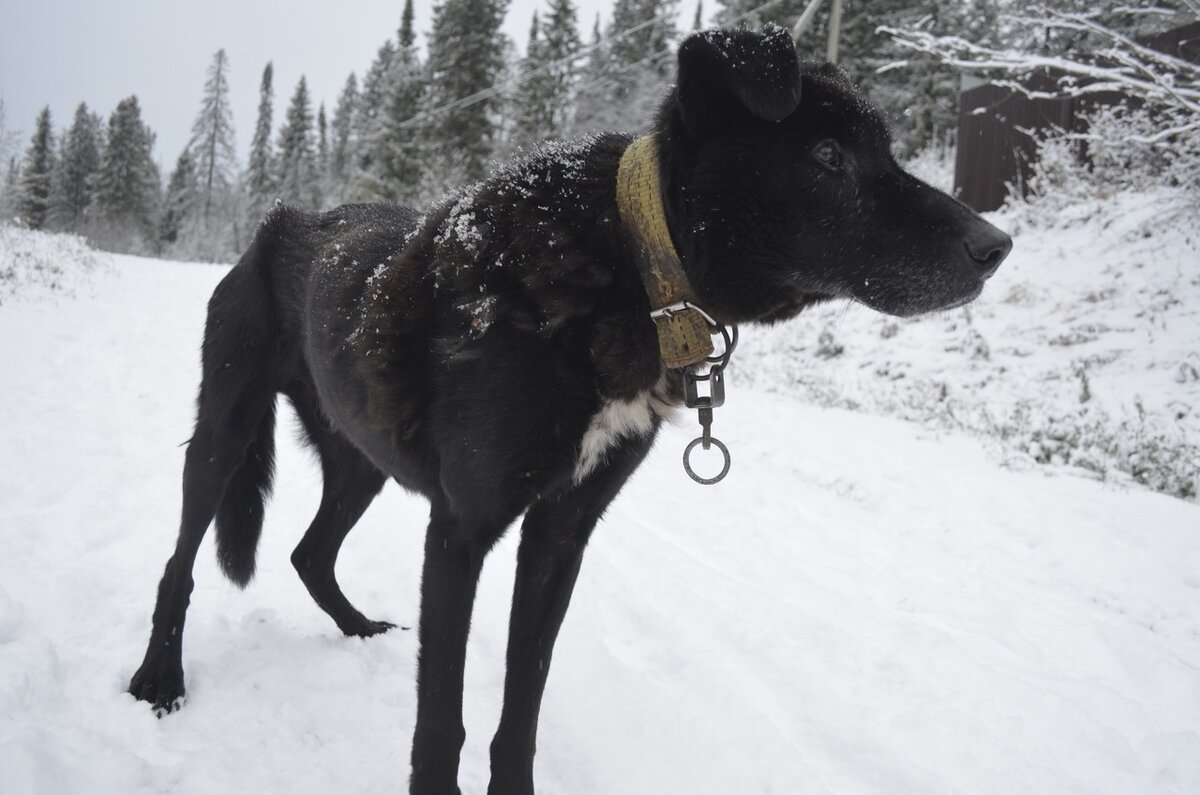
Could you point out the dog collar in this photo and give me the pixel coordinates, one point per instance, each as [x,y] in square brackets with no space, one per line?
[684,330]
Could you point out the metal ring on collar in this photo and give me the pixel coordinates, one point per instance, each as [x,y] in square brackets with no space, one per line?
[687,464]
[730,345]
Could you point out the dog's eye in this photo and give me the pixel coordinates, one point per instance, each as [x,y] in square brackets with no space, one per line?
[828,155]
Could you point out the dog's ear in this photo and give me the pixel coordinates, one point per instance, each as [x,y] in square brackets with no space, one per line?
[726,74]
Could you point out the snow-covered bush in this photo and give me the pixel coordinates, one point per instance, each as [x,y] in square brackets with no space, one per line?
[1132,147]
[934,164]
[1121,149]
[36,263]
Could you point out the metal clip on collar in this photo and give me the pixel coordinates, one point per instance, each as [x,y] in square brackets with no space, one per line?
[704,404]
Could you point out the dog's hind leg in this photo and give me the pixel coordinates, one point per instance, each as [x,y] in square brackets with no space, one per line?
[234,422]
[553,537]
[351,483]
[215,451]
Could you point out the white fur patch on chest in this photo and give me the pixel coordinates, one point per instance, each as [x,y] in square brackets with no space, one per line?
[616,420]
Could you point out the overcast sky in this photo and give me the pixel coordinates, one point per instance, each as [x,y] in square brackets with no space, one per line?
[61,52]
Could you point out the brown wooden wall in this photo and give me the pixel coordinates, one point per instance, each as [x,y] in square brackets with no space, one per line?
[993,153]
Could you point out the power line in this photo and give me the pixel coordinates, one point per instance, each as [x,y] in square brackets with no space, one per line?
[499,88]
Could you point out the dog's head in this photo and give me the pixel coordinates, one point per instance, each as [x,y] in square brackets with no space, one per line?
[782,191]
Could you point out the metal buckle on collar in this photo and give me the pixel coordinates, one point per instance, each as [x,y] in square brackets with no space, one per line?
[683,306]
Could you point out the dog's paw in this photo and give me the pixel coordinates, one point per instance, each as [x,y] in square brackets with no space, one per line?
[160,686]
[367,628]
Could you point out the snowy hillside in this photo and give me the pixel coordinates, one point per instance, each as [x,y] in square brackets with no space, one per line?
[34,265]
[866,605]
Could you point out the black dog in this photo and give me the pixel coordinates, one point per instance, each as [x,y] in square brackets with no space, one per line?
[498,356]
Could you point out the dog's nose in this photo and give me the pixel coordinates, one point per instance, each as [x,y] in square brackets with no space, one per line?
[987,247]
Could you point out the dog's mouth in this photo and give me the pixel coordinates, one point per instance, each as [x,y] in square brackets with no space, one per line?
[910,297]
[963,300]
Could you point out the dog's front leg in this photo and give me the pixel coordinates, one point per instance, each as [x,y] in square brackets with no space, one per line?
[553,537]
[453,558]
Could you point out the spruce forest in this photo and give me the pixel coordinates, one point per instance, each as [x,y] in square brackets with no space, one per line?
[424,119]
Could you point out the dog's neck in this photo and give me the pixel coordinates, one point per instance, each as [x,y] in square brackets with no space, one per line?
[684,335]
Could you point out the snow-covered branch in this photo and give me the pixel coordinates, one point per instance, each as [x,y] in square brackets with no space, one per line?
[1116,63]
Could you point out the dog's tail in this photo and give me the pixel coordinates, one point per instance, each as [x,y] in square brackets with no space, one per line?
[244,352]
[240,516]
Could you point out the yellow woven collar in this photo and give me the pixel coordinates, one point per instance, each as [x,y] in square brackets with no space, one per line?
[684,332]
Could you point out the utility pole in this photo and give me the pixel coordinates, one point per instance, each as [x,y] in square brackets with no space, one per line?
[835,31]
[835,26]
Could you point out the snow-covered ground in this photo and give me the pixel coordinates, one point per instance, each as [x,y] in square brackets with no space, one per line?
[865,604]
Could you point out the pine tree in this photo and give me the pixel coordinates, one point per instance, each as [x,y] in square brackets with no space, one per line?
[390,163]
[213,140]
[127,186]
[36,173]
[179,203]
[322,162]
[260,179]
[369,108]
[466,50]
[528,117]
[12,190]
[698,21]
[645,50]
[624,83]
[545,100]
[341,154]
[8,138]
[296,173]
[591,107]
[78,167]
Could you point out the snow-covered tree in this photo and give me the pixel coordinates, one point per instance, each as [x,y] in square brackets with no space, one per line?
[260,176]
[341,154]
[527,107]
[11,191]
[297,179]
[322,148]
[368,111]
[11,188]
[390,165]
[179,205]
[8,137]
[561,45]
[212,140]
[126,194]
[625,79]
[650,31]
[545,98]
[78,167]
[591,105]
[466,55]
[37,173]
